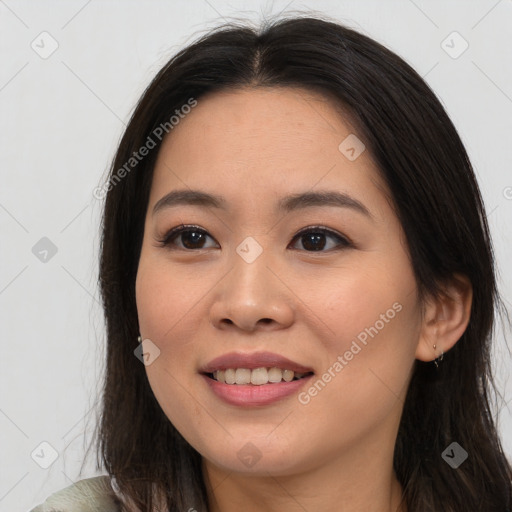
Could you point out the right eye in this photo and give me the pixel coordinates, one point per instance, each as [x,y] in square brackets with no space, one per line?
[191,237]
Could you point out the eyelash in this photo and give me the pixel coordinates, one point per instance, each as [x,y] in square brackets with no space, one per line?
[342,241]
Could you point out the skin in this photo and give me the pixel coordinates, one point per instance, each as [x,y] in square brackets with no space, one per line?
[255,146]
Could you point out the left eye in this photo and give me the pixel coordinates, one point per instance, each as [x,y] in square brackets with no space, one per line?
[312,239]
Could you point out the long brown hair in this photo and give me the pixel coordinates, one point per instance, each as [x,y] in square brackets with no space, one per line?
[437,200]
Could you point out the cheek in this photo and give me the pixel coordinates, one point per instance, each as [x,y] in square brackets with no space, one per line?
[375,319]
[163,310]
[364,303]
[363,382]
[165,303]
[374,324]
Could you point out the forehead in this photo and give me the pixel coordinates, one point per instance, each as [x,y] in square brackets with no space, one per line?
[263,141]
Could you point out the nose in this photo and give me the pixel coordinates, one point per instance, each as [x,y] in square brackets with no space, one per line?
[252,296]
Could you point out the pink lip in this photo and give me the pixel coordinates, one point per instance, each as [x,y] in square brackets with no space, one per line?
[249,395]
[255,360]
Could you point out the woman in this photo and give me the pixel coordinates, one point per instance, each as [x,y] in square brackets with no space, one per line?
[299,288]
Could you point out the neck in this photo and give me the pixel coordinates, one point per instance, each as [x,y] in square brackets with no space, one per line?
[363,480]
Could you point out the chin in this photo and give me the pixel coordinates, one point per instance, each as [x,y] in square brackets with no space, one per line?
[256,457]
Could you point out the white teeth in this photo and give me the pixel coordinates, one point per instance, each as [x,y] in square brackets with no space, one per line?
[288,375]
[243,376]
[257,377]
[229,376]
[275,375]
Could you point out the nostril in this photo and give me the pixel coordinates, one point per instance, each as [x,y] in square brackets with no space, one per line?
[251,327]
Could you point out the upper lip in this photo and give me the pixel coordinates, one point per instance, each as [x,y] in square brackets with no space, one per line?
[254,360]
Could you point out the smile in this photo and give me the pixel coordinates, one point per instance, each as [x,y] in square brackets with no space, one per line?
[257,376]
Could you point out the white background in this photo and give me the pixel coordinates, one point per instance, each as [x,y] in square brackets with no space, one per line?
[60,120]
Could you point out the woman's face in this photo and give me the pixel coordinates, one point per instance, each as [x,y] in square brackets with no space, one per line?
[339,300]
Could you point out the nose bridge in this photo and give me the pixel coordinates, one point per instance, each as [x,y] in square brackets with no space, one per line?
[250,271]
[251,292]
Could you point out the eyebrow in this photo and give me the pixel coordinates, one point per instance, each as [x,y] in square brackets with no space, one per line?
[287,204]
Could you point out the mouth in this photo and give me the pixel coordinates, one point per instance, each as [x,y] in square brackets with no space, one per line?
[257,376]
[256,369]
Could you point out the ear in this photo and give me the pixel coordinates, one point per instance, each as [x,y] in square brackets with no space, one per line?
[445,319]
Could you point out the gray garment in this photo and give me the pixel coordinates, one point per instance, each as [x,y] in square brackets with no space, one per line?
[87,495]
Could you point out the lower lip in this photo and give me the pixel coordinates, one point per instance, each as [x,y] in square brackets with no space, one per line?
[250,395]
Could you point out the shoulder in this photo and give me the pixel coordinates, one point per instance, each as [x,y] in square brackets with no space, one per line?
[87,495]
